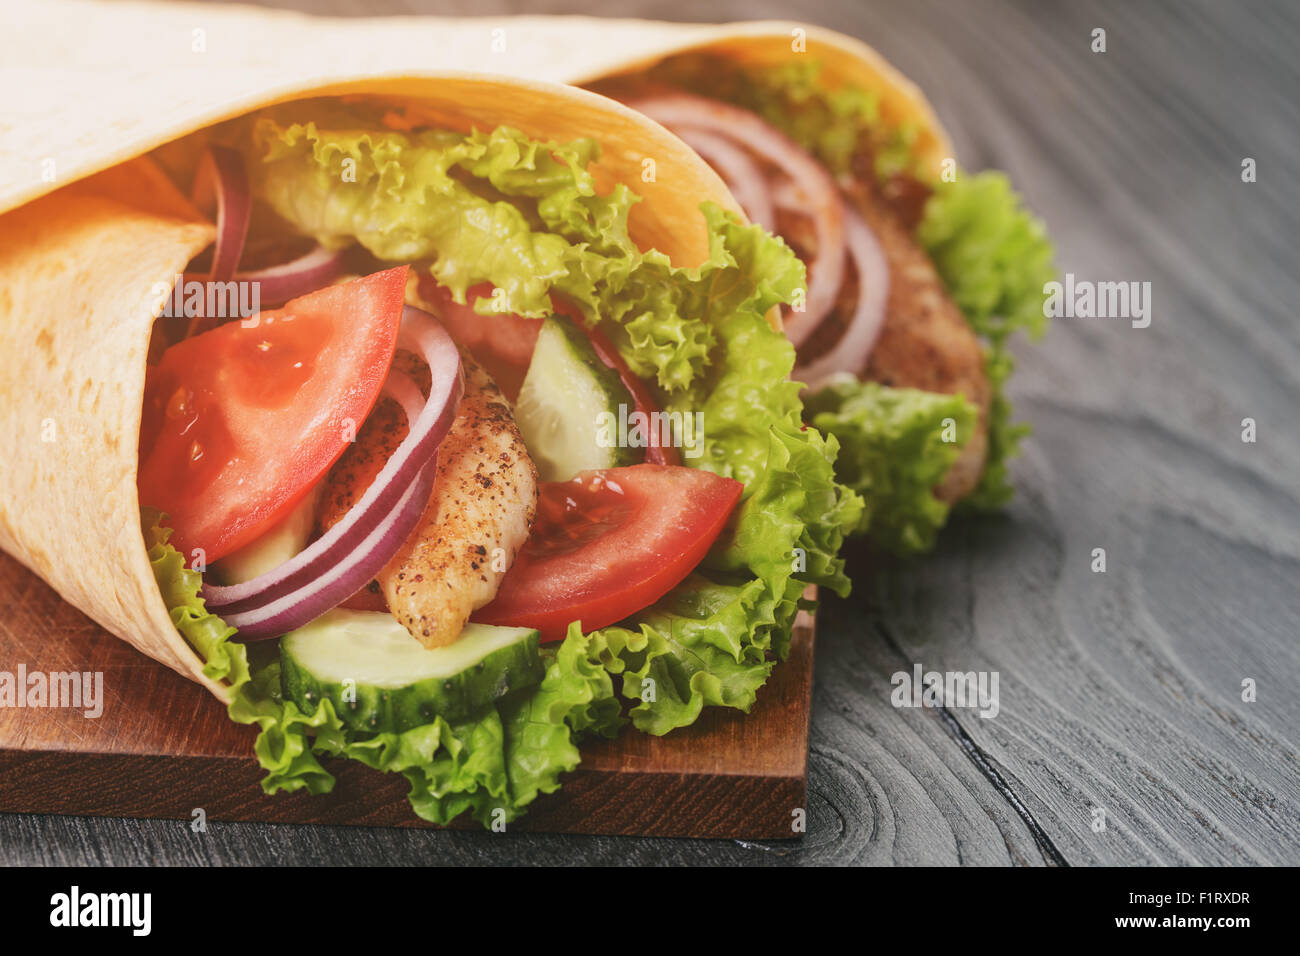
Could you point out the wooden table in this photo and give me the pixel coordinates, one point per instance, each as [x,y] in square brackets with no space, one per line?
[1120,692]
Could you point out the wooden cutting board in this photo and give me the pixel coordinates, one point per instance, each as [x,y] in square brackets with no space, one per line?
[163,747]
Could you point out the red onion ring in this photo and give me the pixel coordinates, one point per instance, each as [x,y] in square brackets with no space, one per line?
[742,174]
[422,335]
[279,283]
[285,579]
[221,175]
[821,198]
[239,597]
[343,578]
[853,348]
[308,584]
[221,178]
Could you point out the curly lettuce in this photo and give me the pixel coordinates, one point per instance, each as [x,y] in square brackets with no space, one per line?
[714,639]
[896,445]
[523,215]
[995,258]
[487,207]
[492,765]
[832,123]
[223,660]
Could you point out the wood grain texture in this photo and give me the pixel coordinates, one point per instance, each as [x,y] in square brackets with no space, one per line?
[1119,691]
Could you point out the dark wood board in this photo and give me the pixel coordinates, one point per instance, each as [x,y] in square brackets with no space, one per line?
[163,747]
[1120,691]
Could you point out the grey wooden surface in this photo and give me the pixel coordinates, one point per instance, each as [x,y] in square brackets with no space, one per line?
[1119,691]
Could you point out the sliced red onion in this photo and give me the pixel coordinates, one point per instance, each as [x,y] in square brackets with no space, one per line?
[819,197]
[743,175]
[360,520]
[221,175]
[422,335]
[851,351]
[307,585]
[786,195]
[343,578]
[221,172]
[401,389]
[278,284]
[222,179]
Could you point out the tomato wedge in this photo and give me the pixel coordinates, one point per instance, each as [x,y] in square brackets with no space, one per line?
[608,543]
[240,422]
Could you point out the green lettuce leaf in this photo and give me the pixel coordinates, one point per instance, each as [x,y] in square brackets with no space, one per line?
[896,445]
[499,208]
[281,747]
[179,586]
[995,258]
[713,640]
[492,766]
[832,124]
[495,764]
[487,207]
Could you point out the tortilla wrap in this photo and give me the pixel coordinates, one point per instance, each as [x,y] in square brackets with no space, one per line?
[91,84]
[81,258]
[88,229]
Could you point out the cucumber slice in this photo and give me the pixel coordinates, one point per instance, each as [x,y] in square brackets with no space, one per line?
[381,679]
[565,392]
[273,548]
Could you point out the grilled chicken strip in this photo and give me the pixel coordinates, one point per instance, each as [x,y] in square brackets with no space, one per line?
[484,498]
[925,342]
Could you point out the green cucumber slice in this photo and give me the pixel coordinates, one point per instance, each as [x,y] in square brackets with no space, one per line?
[381,679]
[565,393]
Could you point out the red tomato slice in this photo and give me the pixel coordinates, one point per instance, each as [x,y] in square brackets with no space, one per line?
[239,423]
[608,543]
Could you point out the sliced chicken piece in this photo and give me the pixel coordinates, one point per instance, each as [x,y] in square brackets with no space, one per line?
[926,342]
[484,499]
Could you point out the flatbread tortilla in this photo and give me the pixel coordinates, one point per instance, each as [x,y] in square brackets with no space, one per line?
[83,253]
[88,84]
[89,229]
